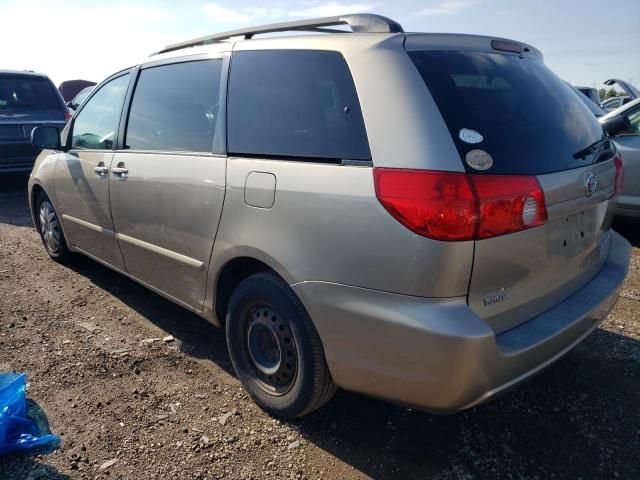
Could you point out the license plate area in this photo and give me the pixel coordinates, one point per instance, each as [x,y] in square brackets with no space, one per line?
[573,234]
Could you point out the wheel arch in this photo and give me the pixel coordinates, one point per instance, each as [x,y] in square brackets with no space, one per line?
[34,191]
[229,276]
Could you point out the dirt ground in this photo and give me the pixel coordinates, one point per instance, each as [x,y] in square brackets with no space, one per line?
[129,405]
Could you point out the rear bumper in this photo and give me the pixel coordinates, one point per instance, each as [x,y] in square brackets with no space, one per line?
[437,354]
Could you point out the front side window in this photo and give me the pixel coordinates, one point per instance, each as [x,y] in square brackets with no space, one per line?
[81,97]
[294,103]
[96,125]
[175,107]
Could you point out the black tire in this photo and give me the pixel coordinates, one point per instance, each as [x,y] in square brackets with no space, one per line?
[58,250]
[263,307]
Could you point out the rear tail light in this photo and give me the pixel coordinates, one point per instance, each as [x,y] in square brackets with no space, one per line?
[67,115]
[508,204]
[458,206]
[619,181]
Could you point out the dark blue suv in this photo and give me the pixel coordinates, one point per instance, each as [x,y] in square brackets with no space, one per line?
[27,100]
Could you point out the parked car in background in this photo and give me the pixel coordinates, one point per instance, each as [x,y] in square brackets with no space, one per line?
[627,138]
[434,237]
[27,99]
[594,107]
[591,93]
[611,104]
[79,98]
[631,93]
[70,88]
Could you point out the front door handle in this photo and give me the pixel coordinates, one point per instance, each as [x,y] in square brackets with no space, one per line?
[120,169]
[101,169]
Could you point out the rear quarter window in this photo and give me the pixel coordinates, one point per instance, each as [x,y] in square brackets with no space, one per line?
[294,103]
[515,109]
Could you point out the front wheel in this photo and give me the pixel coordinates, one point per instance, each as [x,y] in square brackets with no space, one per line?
[275,349]
[51,233]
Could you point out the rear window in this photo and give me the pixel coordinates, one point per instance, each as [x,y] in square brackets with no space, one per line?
[514,109]
[26,94]
[293,103]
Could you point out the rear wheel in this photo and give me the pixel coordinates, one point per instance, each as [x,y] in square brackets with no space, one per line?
[50,229]
[275,349]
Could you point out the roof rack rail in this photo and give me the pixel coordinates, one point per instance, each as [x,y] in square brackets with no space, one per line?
[359,23]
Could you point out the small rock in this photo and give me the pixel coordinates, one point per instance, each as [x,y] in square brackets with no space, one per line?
[89,326]
[293,445]
[224,418]
[108,463]
[168,338]
[150,340]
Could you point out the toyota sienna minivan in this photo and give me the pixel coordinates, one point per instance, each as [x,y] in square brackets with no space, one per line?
[423,218]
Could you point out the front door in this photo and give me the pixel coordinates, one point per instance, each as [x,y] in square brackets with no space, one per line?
[167,183]
[82,179]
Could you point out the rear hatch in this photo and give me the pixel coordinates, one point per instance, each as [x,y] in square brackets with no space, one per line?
[510,116]
[26,101]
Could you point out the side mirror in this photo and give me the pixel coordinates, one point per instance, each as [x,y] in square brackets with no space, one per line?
[71,105]
[46,138]
[616,125]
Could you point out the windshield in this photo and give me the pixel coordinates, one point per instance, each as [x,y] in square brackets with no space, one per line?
[518,114]
[23,95]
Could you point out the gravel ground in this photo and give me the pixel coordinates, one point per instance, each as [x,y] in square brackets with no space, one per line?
[139,388]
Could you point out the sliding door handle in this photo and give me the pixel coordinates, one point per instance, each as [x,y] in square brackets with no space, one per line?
[120,169]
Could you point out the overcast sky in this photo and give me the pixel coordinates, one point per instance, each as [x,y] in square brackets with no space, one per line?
[584,41]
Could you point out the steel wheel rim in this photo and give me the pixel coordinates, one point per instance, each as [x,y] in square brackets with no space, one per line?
[271,349]
[49,227]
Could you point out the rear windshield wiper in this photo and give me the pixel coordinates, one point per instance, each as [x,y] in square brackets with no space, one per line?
[590,149]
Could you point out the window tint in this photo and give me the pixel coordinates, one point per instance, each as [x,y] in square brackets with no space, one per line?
[515,109]
[22,94]
[96,125]
[294,103]
[175,107]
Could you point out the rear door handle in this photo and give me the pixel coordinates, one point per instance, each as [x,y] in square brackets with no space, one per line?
[120,169]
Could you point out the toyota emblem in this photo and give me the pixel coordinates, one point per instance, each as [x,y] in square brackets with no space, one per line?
[590,184]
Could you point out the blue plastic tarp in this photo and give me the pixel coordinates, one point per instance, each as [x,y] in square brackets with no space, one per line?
[19,432]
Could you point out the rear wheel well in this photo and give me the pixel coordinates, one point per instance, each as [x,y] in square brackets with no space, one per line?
[230,277]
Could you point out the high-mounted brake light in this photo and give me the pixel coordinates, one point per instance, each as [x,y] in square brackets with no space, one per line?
[619,180]
[454,206]
[507,46]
